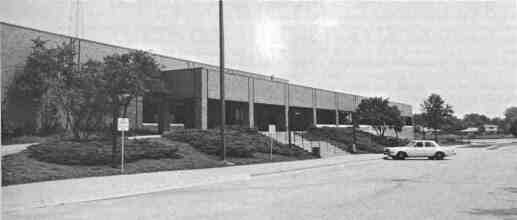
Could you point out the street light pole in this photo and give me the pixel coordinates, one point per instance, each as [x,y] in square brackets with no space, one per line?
[221,76]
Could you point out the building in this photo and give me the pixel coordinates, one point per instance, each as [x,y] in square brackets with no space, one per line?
[490,129]
[470,130]
[192,91]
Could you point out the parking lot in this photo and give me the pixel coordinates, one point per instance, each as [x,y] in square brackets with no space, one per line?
[478,183]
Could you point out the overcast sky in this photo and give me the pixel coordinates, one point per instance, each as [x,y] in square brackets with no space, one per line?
[464,51]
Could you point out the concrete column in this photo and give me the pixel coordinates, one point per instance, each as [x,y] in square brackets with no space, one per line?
[286,108]
[337,117]
[204,99]
[314,108]
[251,102]
[200,102]
[163,115]
[337,108]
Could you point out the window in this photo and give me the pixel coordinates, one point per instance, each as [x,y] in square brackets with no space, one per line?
[419,144]
[429,144]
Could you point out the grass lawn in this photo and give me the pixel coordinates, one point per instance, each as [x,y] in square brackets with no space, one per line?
[64,159]
[24,168]
[343,138]
[240,143]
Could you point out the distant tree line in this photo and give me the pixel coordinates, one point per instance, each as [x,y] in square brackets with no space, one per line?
[437,115]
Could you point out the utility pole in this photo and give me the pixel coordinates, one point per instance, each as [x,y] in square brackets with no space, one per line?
[221,76]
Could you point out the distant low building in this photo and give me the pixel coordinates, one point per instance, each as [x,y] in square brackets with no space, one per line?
[490,129]
[470,130]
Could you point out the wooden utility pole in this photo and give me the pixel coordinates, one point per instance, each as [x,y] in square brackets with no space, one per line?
[221,76]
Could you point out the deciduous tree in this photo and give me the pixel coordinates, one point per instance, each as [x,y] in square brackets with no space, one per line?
[378,113]
[435,113]
[125,79]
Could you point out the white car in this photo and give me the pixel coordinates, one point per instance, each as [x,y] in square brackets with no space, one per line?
[420,148]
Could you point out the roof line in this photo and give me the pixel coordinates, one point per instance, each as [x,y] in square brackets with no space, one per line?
[281,80]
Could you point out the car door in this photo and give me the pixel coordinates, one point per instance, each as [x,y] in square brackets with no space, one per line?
[416,150]
[429,149]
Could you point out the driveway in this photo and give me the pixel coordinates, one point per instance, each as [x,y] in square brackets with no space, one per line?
[478,183]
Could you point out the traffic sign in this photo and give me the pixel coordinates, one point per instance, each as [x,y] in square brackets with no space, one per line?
[123,124]
[272,129]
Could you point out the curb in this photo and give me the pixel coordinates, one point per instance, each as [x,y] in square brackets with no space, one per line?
[54,193]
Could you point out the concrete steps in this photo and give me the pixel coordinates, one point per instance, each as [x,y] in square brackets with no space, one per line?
[326,149]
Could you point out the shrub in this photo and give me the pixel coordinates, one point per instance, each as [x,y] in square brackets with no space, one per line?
[209,142]
[390,141]
[366,142]
[99,152]
[240,142]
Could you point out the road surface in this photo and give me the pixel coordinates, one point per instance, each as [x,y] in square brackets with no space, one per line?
[478,183]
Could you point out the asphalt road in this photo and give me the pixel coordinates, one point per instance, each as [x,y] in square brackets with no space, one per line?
[478,183]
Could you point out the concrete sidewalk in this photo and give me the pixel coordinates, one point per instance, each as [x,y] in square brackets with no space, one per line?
[51,193]
[14,148]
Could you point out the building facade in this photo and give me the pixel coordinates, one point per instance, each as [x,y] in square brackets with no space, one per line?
[252,99]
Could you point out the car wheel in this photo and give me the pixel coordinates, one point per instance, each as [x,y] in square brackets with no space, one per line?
[401,155]
[439,155]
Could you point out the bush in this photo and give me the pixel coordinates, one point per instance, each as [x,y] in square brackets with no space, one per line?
[240,142]
[143,131]
[366,142]
[390,141]
[99,152]
[209,142]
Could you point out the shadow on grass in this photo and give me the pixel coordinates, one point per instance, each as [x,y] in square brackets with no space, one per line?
[495,212]
[510,189]
[476,146]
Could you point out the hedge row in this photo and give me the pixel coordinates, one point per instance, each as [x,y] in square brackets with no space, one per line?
[240,142]
[100,152]
[366,142]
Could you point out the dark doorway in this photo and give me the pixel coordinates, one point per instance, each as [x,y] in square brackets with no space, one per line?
[325,116]
[269,114]
[300,118]
[236,113]
[345,117]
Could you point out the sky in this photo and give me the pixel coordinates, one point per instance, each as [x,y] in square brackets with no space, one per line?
[465,51]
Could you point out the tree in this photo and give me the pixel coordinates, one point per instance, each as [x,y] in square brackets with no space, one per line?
[53,80]
[396,121]
[510,113]
[378,113]
[475,120]
[513,128]
[87,101]
[420,125]
[510,120]
[125,79]
[453,124]
[435,113]
[34,85]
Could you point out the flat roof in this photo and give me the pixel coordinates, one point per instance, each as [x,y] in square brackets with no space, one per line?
[204,65]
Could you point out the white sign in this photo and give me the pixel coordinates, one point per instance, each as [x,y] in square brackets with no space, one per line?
[272,129]
[123,124]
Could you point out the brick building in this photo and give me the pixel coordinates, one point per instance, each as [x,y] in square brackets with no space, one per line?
[253,100]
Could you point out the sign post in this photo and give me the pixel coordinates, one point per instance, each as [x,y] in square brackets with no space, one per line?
[122,125]
[272,131]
